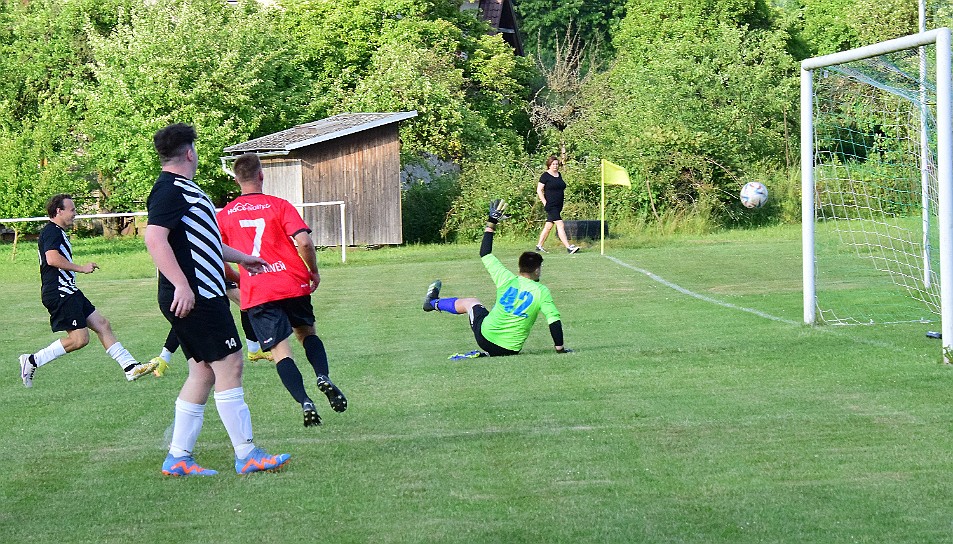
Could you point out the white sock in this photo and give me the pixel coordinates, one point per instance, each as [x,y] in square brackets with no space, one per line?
[186,428]
[49,353]
[252,345]
[166,355]
[237,419]
[122,356]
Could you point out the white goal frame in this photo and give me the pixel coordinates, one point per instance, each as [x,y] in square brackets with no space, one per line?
[944,162]
[340,203]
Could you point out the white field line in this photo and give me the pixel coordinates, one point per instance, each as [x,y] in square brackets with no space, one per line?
[826,330]
[699,296]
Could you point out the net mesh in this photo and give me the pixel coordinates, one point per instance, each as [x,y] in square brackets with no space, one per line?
[875,192]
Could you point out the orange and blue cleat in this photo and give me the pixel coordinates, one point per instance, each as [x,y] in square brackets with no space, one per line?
[184,466]
[259,461]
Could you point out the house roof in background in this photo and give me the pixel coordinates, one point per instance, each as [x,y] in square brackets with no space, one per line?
[316,132]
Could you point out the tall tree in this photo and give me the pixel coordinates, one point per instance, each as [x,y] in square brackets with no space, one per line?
[700,91]
[224,69]
[545,23]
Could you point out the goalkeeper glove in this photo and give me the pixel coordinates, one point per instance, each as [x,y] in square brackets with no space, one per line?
[496,211]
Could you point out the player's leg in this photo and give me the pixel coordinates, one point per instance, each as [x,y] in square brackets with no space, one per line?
[561,232]
[236,417]
[318,357]
[544,234]
[255,350]
[164,360]
[293,381]
[130,366]
[66,314]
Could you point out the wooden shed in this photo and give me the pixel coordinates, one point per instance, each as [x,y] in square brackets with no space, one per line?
[352,158]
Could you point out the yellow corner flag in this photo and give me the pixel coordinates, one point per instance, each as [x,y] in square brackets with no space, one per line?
[613,174]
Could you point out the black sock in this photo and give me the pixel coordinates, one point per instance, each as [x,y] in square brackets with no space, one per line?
[314,349]
[291,377]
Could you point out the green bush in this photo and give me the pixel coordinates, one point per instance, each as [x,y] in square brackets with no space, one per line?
[424,208]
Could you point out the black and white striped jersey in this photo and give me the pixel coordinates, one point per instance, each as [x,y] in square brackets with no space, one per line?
[179,205]
[56,281]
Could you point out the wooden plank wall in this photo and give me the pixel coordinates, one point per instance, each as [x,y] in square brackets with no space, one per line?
[364,171]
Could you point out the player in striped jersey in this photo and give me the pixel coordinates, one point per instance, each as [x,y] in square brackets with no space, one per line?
[69,308]
[185,243]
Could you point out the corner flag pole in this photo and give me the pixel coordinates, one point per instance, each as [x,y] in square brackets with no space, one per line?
[602,208]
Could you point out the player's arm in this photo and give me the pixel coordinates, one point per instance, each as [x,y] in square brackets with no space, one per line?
[231,274]
[309,256]
[252,264]
[157,243]
[556,331]
[548,307]
[496,214]
[56,259]
[539,191]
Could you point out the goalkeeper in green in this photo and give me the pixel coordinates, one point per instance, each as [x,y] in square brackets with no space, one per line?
[519,300]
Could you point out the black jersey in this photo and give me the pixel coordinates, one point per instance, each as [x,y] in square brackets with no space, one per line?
[178,204]
[554,189]
[56,281]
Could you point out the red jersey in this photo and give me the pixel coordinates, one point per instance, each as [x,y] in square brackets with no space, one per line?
[263,225]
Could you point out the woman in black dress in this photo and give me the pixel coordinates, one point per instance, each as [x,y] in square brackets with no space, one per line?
[551,189]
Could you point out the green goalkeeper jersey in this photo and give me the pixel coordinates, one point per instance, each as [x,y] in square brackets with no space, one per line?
[518,301]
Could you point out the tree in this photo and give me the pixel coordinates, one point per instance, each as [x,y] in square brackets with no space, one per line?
[225,70]
[546,22]
[562,98]
[699,93]
[467,87]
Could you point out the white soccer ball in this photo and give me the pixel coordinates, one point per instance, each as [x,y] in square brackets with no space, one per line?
[754,194]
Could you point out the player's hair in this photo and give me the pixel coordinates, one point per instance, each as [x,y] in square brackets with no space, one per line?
[246,167]
[172,141]
[530,261]
[56,203]
[551,159]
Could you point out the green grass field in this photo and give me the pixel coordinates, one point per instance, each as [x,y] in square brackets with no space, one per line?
[682,416]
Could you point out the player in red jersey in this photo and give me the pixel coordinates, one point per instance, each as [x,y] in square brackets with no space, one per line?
[278,301]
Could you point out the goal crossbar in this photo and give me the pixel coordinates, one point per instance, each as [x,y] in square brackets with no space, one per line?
[944,165]
[340,203]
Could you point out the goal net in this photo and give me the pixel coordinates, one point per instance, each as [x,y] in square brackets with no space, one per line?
[875,167]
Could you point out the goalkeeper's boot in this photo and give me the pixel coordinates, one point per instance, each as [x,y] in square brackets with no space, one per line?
[572,249]
[336,398]
[433,293]
[468,355]
[260,355]
[139,370]
[184,466]
[259,461]
[161,366]
[311,417]
[27,369]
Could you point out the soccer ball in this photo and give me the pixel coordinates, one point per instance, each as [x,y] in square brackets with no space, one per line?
[754,194]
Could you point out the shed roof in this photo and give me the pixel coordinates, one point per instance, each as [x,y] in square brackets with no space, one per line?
[319,131]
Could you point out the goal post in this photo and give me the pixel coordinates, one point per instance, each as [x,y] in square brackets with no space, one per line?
[877,174]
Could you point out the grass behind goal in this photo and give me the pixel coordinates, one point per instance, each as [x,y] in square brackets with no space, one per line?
[695,409]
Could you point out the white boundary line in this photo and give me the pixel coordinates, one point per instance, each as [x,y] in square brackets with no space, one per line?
[684,291]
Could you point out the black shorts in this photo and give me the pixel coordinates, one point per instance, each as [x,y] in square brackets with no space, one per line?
[69,313]
[554,213]
[477,314]
[208,333]
[274,321]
